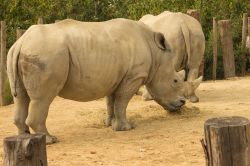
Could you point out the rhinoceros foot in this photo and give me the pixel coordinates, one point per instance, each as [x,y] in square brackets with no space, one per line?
[108,121]
[51,139]
[121,126]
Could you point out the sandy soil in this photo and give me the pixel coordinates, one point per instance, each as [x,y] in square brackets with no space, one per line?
[160,138]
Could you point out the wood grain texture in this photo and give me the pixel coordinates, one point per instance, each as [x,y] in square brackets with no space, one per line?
[227,48]
[227,141]
[25,150]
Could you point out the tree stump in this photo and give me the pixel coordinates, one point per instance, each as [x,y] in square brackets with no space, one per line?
[227,48]
[227,141]
[25,150]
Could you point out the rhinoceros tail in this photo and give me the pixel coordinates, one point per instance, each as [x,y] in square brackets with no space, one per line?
[186,34]
[12,66]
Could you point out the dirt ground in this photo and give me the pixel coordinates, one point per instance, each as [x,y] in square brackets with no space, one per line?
[160,138]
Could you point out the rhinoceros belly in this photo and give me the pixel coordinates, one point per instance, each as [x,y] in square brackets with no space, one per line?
[94,75]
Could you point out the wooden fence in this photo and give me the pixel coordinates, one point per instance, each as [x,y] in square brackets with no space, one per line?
[224,34]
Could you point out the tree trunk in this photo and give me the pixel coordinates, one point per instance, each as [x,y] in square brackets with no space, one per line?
[3,74]
[227,141]
[227,48]
[215,48]
[25,150]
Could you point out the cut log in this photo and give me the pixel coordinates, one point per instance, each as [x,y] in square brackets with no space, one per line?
[227,48]
[25,150]
[227,141]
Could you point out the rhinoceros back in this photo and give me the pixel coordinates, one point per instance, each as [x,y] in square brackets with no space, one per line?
[101,55]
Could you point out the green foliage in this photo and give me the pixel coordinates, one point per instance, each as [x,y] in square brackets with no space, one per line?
[7,93]
[24,13]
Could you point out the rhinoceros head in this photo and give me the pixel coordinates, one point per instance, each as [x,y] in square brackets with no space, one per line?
[167,85]
[168,90]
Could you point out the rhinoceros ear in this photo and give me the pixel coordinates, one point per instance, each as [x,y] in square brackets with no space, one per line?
[161,42]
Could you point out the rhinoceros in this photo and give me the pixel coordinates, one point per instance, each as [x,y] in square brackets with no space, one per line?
[187,42]
[84,61]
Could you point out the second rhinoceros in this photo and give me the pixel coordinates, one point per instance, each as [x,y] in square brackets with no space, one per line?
[186,39]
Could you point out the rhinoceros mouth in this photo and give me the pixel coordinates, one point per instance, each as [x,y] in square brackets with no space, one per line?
[172,107]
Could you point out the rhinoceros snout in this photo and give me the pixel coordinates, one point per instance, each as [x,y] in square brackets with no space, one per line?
[175,106]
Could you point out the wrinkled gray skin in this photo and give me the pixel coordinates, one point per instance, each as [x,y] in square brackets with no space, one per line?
[85,61]
[187,42]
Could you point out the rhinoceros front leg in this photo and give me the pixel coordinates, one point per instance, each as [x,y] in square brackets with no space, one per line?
[192,75]
[121,98]
[120,122]
[110,110]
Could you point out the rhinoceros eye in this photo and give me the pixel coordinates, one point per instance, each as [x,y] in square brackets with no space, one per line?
[175,80]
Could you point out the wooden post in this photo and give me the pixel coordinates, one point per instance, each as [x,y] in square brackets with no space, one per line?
[227,141]
[19,33]
[196,14]
[3,74]
[40,20]
[215,48]
[248,20]
[25,150]
[244,37]
[227,48]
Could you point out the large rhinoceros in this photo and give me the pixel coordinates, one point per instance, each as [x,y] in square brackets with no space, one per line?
[85,61]
[187,42]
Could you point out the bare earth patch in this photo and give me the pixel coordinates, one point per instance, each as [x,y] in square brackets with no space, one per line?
[160,138]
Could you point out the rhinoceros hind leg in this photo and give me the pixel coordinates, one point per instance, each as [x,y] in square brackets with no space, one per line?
[21,111]
[38,112]
[110,110]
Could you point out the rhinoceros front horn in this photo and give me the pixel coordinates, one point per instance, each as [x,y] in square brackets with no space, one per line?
[182,74]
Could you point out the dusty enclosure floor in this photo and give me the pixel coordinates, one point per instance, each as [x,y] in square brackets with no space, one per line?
[160,138]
